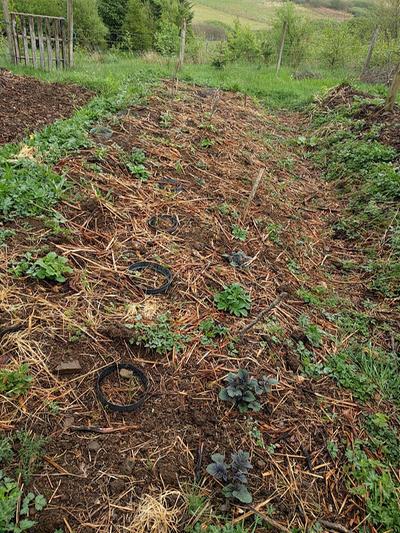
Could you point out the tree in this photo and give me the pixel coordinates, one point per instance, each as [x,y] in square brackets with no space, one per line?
[138,26]
[113,14]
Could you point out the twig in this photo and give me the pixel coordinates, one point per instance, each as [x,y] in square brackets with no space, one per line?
[334,526]
[95,429]
[256,184]
[261,315]
[273,523]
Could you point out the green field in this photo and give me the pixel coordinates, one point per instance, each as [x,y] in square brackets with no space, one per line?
[255,13]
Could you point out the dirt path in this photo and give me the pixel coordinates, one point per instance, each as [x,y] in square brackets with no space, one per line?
[213,144]
[27,104]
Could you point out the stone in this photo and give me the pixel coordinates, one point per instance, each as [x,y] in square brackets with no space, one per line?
[94,446]
[125,373]
[69,367]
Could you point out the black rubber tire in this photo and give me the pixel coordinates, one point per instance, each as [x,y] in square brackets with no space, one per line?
[153,223]
[143,265]
[116,407]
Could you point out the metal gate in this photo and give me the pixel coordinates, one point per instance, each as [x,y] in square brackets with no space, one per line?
[38,40]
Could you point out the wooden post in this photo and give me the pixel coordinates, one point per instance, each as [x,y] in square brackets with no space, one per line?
[182,46]
[57,40]
[33,40]
[282,45]
[7,21]
[370,50]
[48,42]
[393,91]
[41,42]
[22,18]
[15,37]
[70,32]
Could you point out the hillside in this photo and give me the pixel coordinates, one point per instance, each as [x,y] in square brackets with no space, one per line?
[255,13]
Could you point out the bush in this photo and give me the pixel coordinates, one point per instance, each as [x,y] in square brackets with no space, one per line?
[137,29]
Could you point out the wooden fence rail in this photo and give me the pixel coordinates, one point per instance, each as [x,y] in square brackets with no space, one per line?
[38,40]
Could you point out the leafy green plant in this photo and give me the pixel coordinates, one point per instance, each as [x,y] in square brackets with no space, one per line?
[5,234]
[383,438]
[211,330]
[239,233]
[31,449]
[206,143]
[166,119]
[135,164]
[313,333]
[243,391]
[274,233]
[158,336]
[227,210]
[15,383]
[51,267]
[10,496]
[372,481]
[332,448]
[233,299]
[6,450]
[28,188]
[233,476]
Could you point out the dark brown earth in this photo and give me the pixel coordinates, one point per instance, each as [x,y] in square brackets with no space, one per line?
[97,487]
[27,104]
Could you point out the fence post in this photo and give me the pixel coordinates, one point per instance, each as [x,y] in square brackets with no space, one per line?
[393,91]
[7,20]
[70,32]
[370,51]
[282,45]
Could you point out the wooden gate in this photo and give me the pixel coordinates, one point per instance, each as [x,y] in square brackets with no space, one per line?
[38,40]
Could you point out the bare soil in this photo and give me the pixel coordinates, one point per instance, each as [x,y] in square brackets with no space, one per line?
[27,104]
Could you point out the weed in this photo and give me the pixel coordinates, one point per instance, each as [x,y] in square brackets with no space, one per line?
[27,188]
[206,143]
[166,119]
[51,267]
[227,210]
[211,330]
[274,233]
[15,383]
[6,450]
[232,475]
[239,233]
[158,336]
[256,434]
[242,390]
[233,299]
[30,451]
[383,438]
[373,483]
[5,234]
[10,497]
[135,164]
[313,333]
[294,267]
[273,330]
[332,448]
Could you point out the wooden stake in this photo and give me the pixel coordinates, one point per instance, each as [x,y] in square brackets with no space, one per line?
[256,184]
[372,44]
[282,45]
[394,89]
[70,32]
[182,47]
[33,40]
[7,21]
[282,296]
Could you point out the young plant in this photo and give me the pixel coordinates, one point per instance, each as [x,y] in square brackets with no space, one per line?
[239,233]
[211,330]
[232,475]
[52,267]
[15,383]
[206,143]
[135,164]
[242,390]
[233,299]
[158,336]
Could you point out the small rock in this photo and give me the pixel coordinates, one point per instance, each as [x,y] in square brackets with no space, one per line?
[117,486]
[104,134]
[125,373]
[128,466]
[94,446]
[68,422]
[69,367]
[261,464]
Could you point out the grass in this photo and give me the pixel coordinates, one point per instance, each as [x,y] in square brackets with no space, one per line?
[257,14]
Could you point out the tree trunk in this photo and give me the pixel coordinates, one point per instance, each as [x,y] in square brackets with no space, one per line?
[282,46]
[371,48]
[393,91]
[182,47]
[7,20]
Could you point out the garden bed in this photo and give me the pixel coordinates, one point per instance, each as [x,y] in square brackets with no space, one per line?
[211,145]
[27,104]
